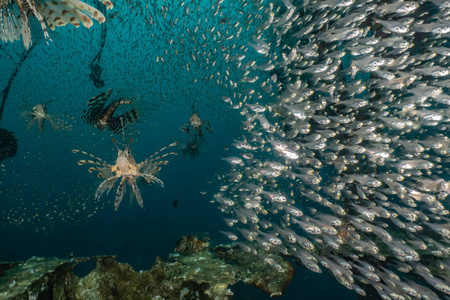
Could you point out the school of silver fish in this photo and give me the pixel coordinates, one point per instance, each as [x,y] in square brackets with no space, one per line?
[344,160]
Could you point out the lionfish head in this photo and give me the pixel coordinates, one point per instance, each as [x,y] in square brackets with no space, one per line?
[126,152]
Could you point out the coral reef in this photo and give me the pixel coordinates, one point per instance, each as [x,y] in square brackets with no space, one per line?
[192,243]
[253,271]
[204,274]
[28,280]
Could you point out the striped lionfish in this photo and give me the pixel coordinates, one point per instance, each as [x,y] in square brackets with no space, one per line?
[39,114]
[127,168]
[101,116]
[14,16]
[195,123]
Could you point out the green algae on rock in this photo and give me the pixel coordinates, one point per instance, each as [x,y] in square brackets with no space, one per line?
[207,274]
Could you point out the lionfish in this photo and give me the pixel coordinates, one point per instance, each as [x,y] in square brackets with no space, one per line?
[102,117]
[14,16]
[127,169]
[192,147]
[195,123]
[39,114]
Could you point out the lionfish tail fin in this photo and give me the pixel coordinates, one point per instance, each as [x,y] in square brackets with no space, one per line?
[130,116]
[115,123]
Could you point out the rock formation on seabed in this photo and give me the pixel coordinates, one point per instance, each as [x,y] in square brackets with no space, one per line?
[206,274]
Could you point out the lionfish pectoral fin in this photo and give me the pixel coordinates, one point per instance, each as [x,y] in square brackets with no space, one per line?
[108,4]
[136,192]
[119,194]
[186,127]
[52,123]
[208,127]
[31,123]
[60,123]
[70,11]
[108,184]
[156,179]
[27,114]
[152,157]
[66,125]
[151,178]
[89,10]
[26,33]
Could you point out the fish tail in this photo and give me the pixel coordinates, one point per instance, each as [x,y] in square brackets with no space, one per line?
[115,123]
[130,116]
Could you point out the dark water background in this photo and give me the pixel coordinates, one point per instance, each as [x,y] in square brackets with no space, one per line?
[137,236]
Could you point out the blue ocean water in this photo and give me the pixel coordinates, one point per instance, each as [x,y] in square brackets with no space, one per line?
[44,167]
